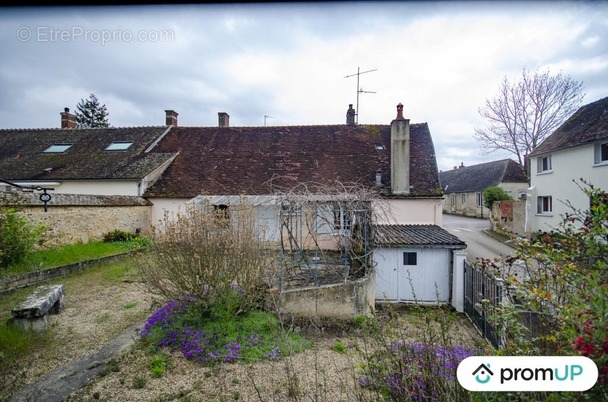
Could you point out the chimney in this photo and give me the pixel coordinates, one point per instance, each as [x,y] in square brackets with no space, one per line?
[400,154]
[378,178]
[461,165]
[68,120]
[171,118]
[350,115]
[223,119]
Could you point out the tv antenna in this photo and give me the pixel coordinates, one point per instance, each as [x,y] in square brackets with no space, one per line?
[267,117]
[360,90]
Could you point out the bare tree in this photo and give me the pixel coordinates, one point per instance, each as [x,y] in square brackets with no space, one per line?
[525,112]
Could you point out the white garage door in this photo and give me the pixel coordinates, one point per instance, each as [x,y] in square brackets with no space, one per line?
[421,275]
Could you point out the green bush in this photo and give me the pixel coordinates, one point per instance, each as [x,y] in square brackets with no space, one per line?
[119,236]
[17,236]
[494,193]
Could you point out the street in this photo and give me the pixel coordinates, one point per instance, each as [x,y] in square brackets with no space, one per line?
[479,244]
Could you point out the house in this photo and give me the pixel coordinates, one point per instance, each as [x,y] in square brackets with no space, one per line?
[577,149]
[255,161]
[463,186]
[97,161]
[175,167]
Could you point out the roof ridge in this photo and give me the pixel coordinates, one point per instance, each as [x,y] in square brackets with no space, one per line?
[75,129]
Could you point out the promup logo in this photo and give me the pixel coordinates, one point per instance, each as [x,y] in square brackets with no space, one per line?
[484,371]
[527,373]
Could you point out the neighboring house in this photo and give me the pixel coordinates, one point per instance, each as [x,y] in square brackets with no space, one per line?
[577,149]
[97,161]
[464,185]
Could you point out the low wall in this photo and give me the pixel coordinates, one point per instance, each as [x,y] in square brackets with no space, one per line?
[82,218]
[509,217]
[343,301]
[12,283]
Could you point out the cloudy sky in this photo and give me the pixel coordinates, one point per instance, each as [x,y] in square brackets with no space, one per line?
[291,62]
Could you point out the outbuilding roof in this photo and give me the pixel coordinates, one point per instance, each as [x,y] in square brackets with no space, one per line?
[425,236]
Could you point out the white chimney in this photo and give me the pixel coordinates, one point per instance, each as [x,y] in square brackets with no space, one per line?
[400,154]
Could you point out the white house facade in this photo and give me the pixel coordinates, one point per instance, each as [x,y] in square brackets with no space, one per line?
[576,150]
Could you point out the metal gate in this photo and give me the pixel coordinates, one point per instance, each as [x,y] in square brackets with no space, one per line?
[483,291]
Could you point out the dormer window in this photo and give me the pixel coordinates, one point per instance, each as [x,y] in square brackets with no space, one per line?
[543,164]
[119,146]
[57,148]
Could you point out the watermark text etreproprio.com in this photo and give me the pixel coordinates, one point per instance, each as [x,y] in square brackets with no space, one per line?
[101,36]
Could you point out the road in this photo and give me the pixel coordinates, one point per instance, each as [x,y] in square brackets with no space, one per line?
[479,244]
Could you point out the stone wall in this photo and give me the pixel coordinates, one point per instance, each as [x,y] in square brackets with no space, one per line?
[83,218]
[509,217]
[343,301]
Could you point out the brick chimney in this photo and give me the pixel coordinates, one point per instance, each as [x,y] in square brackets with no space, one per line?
[68,120]
[171,118]
[350,115]
[400,154]
[223,119]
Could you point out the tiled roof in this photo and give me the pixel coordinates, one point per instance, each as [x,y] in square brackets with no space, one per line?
[258,160]
[477,178]
[587,125]
[426,236]
[22,156]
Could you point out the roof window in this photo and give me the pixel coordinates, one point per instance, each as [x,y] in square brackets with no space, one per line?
[57,148]
[119,146]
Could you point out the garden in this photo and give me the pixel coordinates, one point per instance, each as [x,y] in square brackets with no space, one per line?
[210,325]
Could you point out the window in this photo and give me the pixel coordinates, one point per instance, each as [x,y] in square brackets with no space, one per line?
[463,198]
[543,164]
[410,258]
[57,148]
[221,215]
[601,153]
[119,146]
[453,199]
[544,204]
[478,199]
[342,219]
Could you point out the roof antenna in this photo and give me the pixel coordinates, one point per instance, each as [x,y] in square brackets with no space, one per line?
[267,117]
[360,90]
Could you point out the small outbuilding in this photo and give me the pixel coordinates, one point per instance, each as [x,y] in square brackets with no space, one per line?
[417,263]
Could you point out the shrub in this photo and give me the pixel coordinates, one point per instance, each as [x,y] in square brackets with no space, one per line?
[17,236]
[213,257]
[119,236]
[494,193]
[209,336]
[566,287]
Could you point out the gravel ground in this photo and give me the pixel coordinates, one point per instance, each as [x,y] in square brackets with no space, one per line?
[99,307]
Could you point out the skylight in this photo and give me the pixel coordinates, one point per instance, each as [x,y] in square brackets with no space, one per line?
[379,147]
[57,148]
[119,146]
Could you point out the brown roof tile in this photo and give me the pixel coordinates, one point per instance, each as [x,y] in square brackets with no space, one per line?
[258,160]
[587,125]
[22,156]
